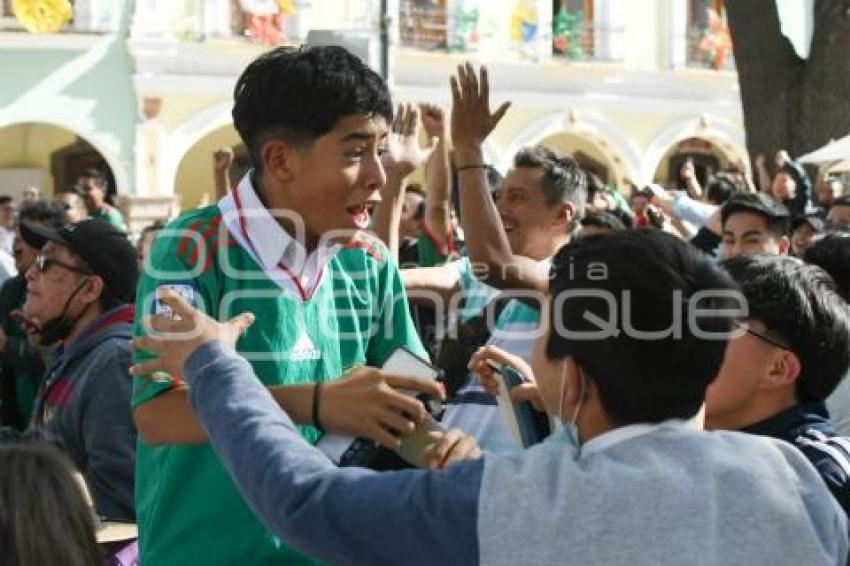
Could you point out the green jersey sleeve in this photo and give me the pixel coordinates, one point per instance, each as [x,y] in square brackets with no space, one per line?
[165,268]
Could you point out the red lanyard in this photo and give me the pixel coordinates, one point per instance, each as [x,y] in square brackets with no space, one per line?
[295,281]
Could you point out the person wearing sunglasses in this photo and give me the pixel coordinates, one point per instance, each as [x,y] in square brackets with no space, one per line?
[789,355]
[21,363]
[80,293]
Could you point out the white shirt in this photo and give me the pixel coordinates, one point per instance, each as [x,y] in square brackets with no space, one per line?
[7,239]
[284,258]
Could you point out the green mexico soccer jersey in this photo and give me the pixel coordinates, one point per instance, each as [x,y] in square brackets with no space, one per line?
[431,251]
[111,215]
[189,510]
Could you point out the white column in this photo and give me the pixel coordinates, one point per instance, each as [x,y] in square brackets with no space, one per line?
[151,19]
[609,30]
[678,38]
[215,18]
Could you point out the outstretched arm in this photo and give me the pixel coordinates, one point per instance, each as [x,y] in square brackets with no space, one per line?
[486,240]
[424,516]
[438,195]
[403,156]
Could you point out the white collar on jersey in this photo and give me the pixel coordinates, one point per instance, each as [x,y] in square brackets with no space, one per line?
[273,247]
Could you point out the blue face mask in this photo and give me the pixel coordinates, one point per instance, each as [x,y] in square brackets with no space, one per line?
[568,435]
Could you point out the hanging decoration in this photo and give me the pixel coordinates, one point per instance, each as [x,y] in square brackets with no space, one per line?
[716,43]
[567,31]
[43,16]
[524,21]
[264,20]
[464,35]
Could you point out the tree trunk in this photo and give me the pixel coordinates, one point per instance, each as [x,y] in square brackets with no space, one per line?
[788,102]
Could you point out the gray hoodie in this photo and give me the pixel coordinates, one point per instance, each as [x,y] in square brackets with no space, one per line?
[83,408]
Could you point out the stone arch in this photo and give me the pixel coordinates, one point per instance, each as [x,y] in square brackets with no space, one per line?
[728,138]
[622,153]
[103,146]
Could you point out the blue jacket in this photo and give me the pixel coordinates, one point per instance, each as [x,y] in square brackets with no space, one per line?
[807,426]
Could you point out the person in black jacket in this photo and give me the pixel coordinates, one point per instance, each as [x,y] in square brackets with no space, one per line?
[790,354]
[21,363]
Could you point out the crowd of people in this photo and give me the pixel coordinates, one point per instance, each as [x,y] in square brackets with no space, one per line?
[226,390]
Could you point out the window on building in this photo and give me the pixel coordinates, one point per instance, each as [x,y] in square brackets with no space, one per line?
[572,29]
[424,24]
[709,40]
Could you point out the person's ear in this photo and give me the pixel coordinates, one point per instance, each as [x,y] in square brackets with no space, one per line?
[784,245]
[572,387]
[564,214]
[280,159]
[784,369]
[92,289]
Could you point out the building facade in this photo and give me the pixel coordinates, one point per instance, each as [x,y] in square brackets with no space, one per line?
[144,89]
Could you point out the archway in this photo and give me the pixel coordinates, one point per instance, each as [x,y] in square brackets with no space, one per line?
[193,179]
[50,157]
[708,157]
[714,143]
[589,153]
[593,140]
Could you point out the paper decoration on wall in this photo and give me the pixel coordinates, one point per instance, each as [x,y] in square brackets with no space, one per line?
[567,31]
[717,41]
[524,21]
[464,34]
[43,16]
[264,19]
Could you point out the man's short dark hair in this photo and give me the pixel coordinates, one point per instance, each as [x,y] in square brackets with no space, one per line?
[831,253]
[97,176]
[602,219]
[5,199]
[594,185]
[799,305]
[298,94]
[42,212]
[775,215]
[720,189]
[650,276]
[563,179]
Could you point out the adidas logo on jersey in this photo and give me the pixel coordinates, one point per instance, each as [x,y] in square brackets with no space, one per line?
[304,349]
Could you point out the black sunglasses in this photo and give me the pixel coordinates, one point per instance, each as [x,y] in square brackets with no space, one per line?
[43,262]
[762,336]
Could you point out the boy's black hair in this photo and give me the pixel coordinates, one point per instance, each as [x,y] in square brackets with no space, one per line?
[602,219]
[298,94]
[831,253]
[43,212]
[594,185]
[776,215]
[648,277]
[5,198]
[720,189]
[98,176]
[798,303]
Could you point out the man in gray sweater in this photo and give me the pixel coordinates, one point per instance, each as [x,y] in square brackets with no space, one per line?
[629,480]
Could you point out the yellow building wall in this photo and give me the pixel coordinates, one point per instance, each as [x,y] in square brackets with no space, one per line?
[194,181]
[29,146]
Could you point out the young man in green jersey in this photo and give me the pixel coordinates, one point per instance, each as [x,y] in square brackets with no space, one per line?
[285,244]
